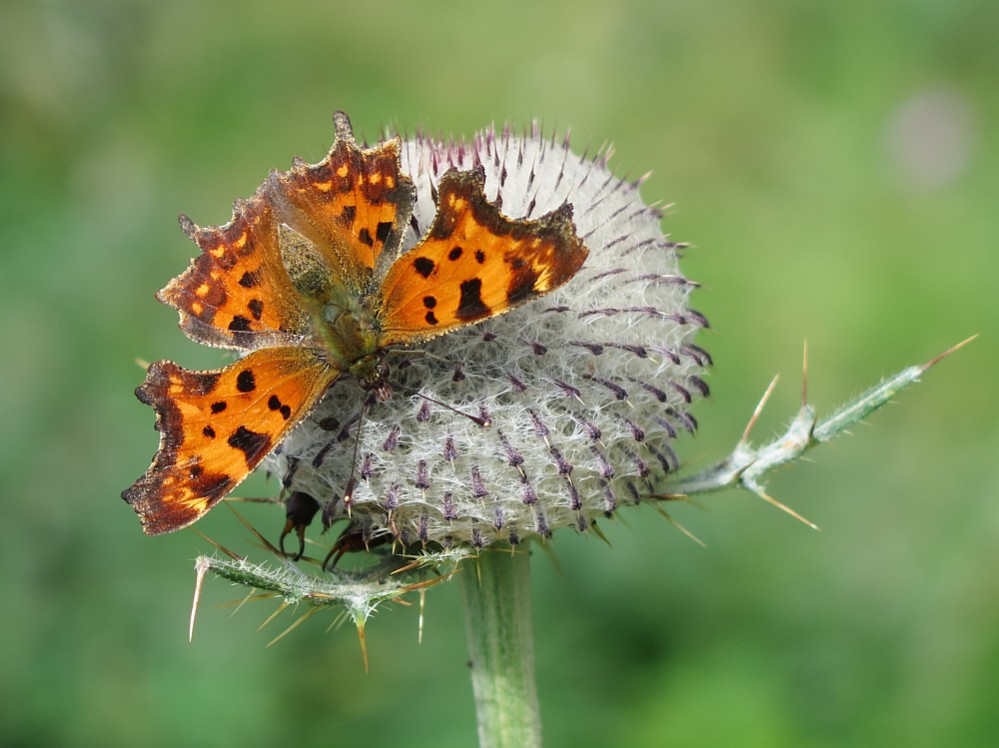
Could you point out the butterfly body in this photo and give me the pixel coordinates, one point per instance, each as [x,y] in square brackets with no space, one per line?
[343,320]
[353,347]
[310,282]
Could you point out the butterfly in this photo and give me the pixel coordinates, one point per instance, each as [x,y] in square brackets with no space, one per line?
[310,283]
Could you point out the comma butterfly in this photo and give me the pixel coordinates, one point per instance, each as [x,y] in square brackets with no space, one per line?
[310,282]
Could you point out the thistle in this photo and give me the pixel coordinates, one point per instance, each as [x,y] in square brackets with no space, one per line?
[551,416]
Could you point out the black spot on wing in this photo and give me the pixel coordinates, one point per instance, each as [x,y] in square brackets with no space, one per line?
[424,266]
[239,324]
[471,307]
[274,403]
[365,237]
[256,307]
[253,445]
[245,381]
[249,279]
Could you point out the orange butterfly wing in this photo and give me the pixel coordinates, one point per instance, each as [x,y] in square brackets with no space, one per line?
[353,205]
[236,294]
[474,263]
[308,237]
[216,427]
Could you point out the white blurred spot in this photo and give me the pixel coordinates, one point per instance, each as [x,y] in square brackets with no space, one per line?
[931,137]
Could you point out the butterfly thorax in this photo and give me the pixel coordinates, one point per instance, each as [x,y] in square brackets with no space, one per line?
[343,320]
[349,335]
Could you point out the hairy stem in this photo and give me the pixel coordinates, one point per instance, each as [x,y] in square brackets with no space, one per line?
[496,588]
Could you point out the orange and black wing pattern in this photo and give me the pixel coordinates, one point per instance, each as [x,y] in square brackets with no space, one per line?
[475,263]
[354,205]
[216,426]
[236,294]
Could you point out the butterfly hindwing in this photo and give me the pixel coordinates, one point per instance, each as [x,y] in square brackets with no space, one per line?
[475,263]
[353,205]
[216,427]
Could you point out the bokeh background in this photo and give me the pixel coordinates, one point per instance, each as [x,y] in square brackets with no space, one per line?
[836,167]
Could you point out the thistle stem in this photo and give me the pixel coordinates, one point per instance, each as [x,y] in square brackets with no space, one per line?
[496,587]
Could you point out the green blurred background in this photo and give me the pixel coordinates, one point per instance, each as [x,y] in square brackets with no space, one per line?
[836,166]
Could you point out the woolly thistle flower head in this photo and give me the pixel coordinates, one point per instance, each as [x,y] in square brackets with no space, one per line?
[550,416]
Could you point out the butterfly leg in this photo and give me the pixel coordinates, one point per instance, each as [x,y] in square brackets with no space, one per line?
[351,540]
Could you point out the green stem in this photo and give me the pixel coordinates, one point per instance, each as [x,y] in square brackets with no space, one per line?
[496,588]
[747,466]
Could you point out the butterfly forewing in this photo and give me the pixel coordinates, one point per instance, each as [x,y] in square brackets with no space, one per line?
[475,263]
[216,427]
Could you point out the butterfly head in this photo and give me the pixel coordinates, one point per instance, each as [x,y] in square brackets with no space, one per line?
[371,373]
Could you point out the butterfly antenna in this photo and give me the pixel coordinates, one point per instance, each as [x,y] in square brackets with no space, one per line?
[483,421]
